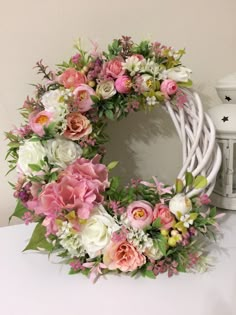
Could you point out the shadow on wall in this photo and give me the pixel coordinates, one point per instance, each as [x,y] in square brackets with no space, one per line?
[145,144]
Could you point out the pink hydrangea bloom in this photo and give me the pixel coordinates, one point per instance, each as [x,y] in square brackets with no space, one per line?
[140,214]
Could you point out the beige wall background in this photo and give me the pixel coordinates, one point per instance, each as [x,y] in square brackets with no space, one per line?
[146,145]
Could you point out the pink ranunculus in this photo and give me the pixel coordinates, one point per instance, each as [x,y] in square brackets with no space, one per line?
[139,56]
[39,120]
[71,78]
[77,127]
[163,212]
[89,169]
[203,200]
[140,214]
[113,68]
[123,256]
[83,100]
[123,84]
[168,87]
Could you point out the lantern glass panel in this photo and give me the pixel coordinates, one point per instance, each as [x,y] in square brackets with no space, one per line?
[234,168]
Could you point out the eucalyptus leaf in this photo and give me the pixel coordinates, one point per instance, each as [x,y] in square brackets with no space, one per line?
[38,240]
[200,182]
[179,185]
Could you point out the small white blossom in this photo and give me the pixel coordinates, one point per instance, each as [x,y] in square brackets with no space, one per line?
[132,64]
[70,241]
[139,239]
[186,220]
[150,66]
[151,100]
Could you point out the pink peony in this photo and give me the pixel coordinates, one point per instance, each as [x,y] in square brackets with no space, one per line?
[83,100]
[71,78]
[123,256]
[139,214]
[113,68]
[39,120]
[78,126]
[89,169]
[163,212]
[168,87]
[123,84]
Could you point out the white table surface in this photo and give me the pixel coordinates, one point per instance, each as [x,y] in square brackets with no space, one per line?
[30,284]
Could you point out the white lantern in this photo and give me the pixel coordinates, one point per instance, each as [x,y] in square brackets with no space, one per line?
[224,118]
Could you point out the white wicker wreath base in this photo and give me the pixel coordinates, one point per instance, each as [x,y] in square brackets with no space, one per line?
[201,154]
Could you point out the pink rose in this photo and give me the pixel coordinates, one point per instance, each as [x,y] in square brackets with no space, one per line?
[39,120]
[123,256]
[163,212]
[140,214]
[71,78]
[78,126]
[203,200]
[89,169]
[83,100]
[123,84]
[113,68]
[168,87]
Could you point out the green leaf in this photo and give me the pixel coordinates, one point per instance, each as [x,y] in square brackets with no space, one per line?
[112,165]
[38,240]
[115,183]
[14,144]
[157,223]
[161,243]
[179,186]
[150,274]
[188,84]
[35,167]
[109,114]
[19,211]
[200,182]
[94,98]
[189,178]
[212,213]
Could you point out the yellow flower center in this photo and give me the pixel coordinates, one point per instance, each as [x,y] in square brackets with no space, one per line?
[139,213]
[43,119]
[83,95]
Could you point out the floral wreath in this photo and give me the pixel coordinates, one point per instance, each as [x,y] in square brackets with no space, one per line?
[85,216]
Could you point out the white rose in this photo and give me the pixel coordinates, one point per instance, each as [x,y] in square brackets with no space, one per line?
[96,232]
[31,152]
[62,152]
[147,82]
[153,252]
[106,89]
[180,203]
[53,102]
[179,74]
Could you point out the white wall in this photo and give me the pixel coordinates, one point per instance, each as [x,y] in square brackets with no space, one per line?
[146,145]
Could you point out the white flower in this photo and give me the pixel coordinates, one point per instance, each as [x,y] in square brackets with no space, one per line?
[96,232]
[179,74]
[106,89]
[151,100]
[54,102]
[70,240]
[132,64]
[186,219]
[180,203]
[31,152]
[139,239]
[150,66]
[62,152]
[153,252]
[147,82]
